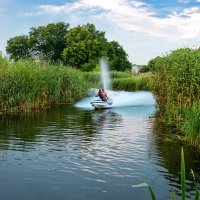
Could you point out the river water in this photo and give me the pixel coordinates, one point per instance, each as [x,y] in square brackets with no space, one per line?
[72,153]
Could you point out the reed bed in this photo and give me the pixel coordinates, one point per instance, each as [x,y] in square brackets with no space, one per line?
[121,80]
[134,83]
[176,84]
[27,84]
[95,77]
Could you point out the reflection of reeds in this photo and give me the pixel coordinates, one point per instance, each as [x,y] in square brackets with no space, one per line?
[176,84]
[32,85]
[183,183]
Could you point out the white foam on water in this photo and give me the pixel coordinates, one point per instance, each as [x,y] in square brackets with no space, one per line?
[122,99]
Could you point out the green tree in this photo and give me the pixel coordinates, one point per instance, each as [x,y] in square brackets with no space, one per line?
[144,68]
[118,57]
[84,44]
[79,47]
[151,64]
[18,47]
[48,41]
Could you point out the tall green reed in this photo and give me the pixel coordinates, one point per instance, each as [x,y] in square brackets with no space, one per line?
[134,83]
[121,80]
[183,183]
[27,84]
[176,84]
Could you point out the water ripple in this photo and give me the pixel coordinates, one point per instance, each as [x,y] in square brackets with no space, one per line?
[90,153]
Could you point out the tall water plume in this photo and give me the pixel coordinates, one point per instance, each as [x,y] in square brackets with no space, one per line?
[105,75]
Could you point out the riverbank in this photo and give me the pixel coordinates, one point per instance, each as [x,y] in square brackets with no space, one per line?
[30,85]
[176,84]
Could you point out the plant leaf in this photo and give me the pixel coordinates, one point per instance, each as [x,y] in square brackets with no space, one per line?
[173,196]
[146,185]
[196,185]
[183,175]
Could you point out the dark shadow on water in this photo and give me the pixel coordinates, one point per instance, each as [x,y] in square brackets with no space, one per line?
[167,154]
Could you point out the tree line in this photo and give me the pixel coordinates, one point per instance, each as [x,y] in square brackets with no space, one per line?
[79,47]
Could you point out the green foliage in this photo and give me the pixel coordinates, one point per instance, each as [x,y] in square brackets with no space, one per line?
[134,83]
[117,74]
[121,80]
[183,185]
[93,78]
[144,68]
[48,41]
[150,189]
[80,47]
[176,85]
[190,123]
[151,64]
[27,84]
[196,185]
[45,42]
[118,57]
[83,44]
[18,47]
[3,62]
[183,188]
[90,66]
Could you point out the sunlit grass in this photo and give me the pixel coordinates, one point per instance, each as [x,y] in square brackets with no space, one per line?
[27,84]
[176,85]
[125,81]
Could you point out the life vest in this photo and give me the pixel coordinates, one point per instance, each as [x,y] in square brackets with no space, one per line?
[100,95]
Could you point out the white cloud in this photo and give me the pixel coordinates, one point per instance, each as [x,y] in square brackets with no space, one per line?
[184,1]
[135,25]
[137,16]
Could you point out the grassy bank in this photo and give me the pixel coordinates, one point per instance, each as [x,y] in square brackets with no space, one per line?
[176,84]
[121,80]
[32,85]
[133,83]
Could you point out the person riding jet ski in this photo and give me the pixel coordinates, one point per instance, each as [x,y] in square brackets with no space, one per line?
[102,94]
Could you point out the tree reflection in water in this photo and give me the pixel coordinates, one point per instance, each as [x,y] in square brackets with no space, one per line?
[167,153]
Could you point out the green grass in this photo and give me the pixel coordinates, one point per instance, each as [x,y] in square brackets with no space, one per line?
[134,83]
[121,80]
[176,85]
[27,84]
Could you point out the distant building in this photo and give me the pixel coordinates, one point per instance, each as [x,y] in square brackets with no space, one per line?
[135,69]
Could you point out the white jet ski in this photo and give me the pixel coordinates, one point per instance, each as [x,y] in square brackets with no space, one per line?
[98,103]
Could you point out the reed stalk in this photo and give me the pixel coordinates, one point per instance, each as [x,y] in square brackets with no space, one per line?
[176,85]
[183,183]
[27,84]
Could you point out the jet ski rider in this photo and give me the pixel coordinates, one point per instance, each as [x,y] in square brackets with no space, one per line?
[102,94]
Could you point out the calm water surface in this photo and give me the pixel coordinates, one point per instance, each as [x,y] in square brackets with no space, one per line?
[69,153]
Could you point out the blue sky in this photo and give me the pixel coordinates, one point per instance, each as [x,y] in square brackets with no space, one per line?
[145,29]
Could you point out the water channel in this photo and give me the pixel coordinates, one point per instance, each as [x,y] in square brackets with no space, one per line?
[72,153]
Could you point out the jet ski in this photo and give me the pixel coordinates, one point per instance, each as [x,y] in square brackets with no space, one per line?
[98,103]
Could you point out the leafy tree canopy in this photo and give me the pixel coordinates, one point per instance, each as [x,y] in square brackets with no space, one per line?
[18,47]
[48,41]
[118,57]
[83,45]
[43,41]
[79,47]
